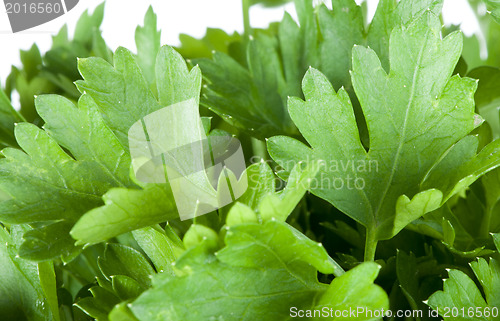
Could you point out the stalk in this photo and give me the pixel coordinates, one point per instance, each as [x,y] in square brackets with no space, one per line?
[246,18]
[370,245]
[259,148]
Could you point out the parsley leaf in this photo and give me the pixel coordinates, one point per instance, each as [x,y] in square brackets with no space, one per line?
[249,87]
[48,186]
[405,159]
[207,283]
[461,292]
[27,289]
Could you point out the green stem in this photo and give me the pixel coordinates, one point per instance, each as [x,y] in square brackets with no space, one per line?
[370,245]
[259,148]
[246,18]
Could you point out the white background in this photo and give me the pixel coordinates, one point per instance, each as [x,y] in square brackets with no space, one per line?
[174,16]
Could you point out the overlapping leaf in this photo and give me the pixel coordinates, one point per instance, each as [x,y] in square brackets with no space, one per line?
[8,117]
[207,283]
[123,97]
[262,198]
[27,289]
[52,188]
[462,294]
[49,187]
[415,115]
[126,273]
[250,93]
[57,70]
[214,40]
[464,224]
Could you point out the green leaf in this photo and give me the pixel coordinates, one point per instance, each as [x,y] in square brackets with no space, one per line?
[355,290]
[464,223]
[121,312]
[124,88]
[280,205]
[148,42]
[415,276]
[82,131]
[391,14]
[119,259]
[163,249]
[261,181]
[458,230]
[126,287]
[261,195]
[8,117]
[494,8]
[460,292]
[402,152]
[125,210]
[284,262]
[176,83]
[496,239]
[270,3]
[57,71]
[48,186]
[116,90]
[341,29]
[240,214]
[213,40]
[87,23]
[126,273]
[487,96]
[100,304]
[31,59]
[248,88]
[198,234]
[248,98]
[27,289]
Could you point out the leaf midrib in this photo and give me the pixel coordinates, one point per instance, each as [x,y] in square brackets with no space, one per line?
[402,139]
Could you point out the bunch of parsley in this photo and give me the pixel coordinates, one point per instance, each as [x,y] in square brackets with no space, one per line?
[377,176]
